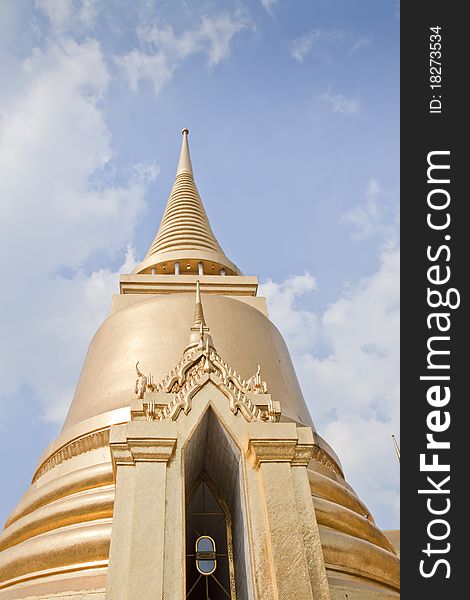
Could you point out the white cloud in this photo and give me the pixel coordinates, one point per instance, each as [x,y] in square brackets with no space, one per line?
[58,322]
[297,325]
[373,216]
[165,51]
[302,45]
[323,43]
[352,387]
[70,311]
[268,5]
[60,204]
[65,15]
[219,32]
[338,104]
[52,140]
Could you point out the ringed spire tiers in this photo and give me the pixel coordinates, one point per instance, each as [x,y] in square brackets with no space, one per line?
[185,243]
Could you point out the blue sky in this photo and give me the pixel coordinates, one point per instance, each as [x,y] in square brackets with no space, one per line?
[294,118]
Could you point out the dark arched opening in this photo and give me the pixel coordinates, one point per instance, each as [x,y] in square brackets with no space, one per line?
[209,551]
[213,465]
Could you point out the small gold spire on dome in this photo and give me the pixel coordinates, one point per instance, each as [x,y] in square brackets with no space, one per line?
[185,243]
[198,311]
[199,332]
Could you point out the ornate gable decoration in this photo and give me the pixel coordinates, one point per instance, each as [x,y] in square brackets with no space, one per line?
[199,364]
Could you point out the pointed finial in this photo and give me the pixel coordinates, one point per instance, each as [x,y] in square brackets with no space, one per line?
[397,447]
[198,312]
[184,164]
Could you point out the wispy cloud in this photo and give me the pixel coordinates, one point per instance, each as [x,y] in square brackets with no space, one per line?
[165,50]
[358,43]
[64,322]
[302,46]
[323,43]
[297,325]
[347,357]
[338,104]
[268,5]
[65,15]
[375,216]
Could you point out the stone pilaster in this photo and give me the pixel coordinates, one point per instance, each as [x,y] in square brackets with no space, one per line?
[281,452]
[140,451]
[306,513]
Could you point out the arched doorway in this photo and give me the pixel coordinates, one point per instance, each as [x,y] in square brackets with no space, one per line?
[212,457]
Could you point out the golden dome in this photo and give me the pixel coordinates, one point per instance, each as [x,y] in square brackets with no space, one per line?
[155,332]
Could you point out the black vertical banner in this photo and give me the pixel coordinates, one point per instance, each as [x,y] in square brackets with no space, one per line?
[434,292]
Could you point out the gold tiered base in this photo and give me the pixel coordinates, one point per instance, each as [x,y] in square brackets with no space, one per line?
[56,542]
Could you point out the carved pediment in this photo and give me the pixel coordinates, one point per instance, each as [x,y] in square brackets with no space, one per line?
[195,369]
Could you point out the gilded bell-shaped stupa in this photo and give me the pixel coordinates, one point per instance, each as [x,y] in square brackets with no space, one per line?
[188,465]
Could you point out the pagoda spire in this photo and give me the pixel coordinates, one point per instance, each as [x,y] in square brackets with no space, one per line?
[185,243]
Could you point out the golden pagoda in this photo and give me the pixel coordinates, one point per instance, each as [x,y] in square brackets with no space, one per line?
[188,465]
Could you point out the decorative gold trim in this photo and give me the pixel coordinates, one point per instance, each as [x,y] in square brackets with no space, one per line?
[199,363]
[232,285]
[85,443]
[54,571]
[363,575]
[213,557]
[322,457]
[267,451]
[230,551]
[193,371]
[132,450]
